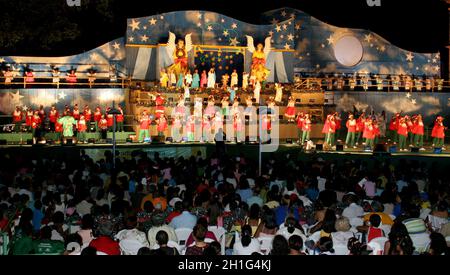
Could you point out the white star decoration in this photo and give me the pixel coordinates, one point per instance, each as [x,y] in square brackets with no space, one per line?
[408,95]
[413,101]
[210,28]
[234,26]
[199,15]
[274,21]
[382,48]
[287,46]
[2,59]
[116,46]
[207,20]
[290,37]
[368,38]
[437,68]
[25,108]
[409,57]
[283,13]
[199,24]
[152,21]
[94,56]
[225,33]
[330,40]
[284,26]
[16,98]
[134,25]
[62,95]
[144,38]
[297,26]
[434,60]
[278,28]
[131,38]
[233,41]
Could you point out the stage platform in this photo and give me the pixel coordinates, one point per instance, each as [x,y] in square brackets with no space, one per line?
[251,151]
[15,138]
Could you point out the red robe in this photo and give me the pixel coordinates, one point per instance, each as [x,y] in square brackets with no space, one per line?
[120,117]
[351,126]
[162,125]
[418,128]
[438,130]
[36,122]
[76,114]
[29,118]
[53,116]
[402,129]
[81,126]
[306,126]
[97,116]
[17,116]
[369,132]
[110,120]
[87,115]
[300,121]
[102,124]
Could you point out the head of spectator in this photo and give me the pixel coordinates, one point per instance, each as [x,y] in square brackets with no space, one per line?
[280,246]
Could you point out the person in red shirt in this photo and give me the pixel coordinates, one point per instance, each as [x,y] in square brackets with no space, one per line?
[104,243]
[329,129]
[162,125]
[71,77]
[53,117]
[402,134]
[120,119]
[159,101]
[306,128]
[144,126]
[87,116]
[76,112]
[338,121]
[97,116]
[360,127]
[368,133]
[103,126]
[29,119]
[81,129]
[36,126]
[393,127]
[300,119]
[58,130]
[418,131]
[351,131]
[109,119]
[438,133]
[42,114]
[17,119]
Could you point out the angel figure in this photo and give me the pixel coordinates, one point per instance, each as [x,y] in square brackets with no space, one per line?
[179,52]
[259,58]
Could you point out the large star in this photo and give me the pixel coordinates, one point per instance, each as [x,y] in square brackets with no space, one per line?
[152,21]
[368,38]
[234,41]
[15,98]
[234,26]
[278,28]
[116,46]
[144,38]
[330,40]
[290,36]
[409,57]
[210,28]
[62,95]
[134,25]
[225,33]
[287,46]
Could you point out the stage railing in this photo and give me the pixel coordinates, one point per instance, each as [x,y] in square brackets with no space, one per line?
[81,82]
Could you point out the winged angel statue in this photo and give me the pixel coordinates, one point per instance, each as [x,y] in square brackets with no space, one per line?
[179,51]
[259,57]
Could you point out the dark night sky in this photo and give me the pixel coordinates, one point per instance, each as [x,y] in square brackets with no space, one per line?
[420,26]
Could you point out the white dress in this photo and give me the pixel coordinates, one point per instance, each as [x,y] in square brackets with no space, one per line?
[211,80]
[244,81]
[257,91]
[234,80]
[279,94]
[188,79]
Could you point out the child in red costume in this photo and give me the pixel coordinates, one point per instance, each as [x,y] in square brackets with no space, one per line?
[438,133]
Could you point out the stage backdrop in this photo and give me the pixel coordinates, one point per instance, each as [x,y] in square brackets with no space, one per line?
[428,104]
[147,36]
[33,98]
[319,46]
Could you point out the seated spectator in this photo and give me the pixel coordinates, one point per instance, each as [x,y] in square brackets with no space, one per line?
[255,198]
[246,244]
[291,227]
[253,218]
[374,231]
[280,246]
[186,219]
[103,242]
[378,208]
[399,242]
[325,246]
[343,233]
[353,210]
[45,245]
[177,208]
[268,227]
[438,245]
[199,233]
[418,233]
[132,233]
[87,224]
[162,239]
[144,251]
[22,242]
[296,245]
[158,225]
[209,235]
[438,217]
[213,249]
[73,244]
[283,210]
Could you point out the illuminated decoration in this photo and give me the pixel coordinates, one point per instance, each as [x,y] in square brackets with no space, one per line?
[348,51]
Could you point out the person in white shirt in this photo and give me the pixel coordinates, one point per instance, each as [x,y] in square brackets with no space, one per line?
[352,210]
[132,233]
[246,245]
[159,225]
[84,207]
[290,229]
[343,233]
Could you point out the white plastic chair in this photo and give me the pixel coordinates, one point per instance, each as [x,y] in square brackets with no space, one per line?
[100,253]
[340,249]
[219,232]
[129,246]
[266,244]
[314,237]
[377,245]
[182,236]
[354,222]
[437,222]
